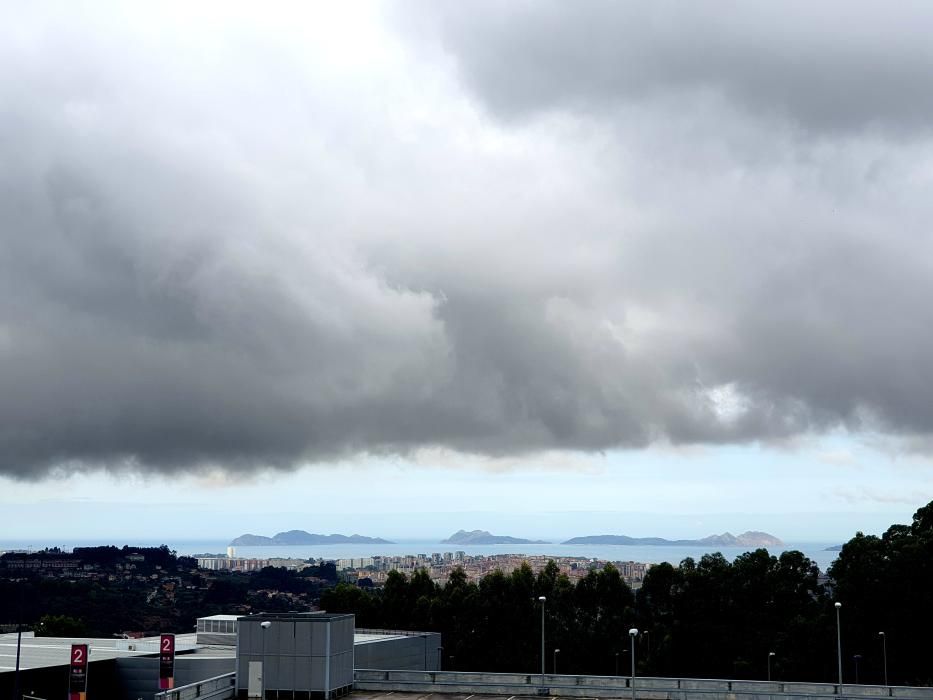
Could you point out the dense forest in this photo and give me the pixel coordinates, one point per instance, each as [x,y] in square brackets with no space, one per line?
[108,591]
[707,618]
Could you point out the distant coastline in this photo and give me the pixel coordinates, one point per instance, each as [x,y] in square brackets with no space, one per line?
[750,538]
[727,539]
[815,550]
[300,537]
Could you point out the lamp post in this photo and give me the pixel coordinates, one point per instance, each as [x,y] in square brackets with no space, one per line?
[856,658]
[440,658]
[839,644]
[556,652]
[542,600]
[264,626]
[884,654]
[770,656]
[19,640]
[617,663]
[633,633]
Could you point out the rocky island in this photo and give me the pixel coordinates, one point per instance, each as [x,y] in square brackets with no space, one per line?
[727,539]
[300,537]
[484,537]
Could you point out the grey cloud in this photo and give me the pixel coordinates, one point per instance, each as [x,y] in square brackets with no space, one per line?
[825,66]
[228,249]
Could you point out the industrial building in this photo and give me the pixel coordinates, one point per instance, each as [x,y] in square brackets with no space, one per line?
[295,655]
[128,669]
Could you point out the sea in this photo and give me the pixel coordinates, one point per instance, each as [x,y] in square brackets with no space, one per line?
[649,554]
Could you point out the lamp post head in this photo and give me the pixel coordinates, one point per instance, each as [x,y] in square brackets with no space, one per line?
[541,598]
[838,605]
[633,631]
[770,653]
[265,625]
[557,651]
[881,634]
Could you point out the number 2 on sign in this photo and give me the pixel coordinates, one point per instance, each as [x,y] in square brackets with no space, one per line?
[166,644]
[77,655]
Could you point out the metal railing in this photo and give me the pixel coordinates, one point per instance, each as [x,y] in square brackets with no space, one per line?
[647,688]
[217,688]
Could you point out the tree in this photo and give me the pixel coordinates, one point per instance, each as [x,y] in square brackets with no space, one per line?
[61,626]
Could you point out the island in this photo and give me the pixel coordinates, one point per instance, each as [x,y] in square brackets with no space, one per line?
[300,537]
[727,539]
[484,537]
[834,548]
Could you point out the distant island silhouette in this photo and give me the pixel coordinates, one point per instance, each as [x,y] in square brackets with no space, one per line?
[727,539]
[300,537]
[484,537]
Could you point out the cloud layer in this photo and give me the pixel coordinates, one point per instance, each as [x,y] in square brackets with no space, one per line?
[827,67]
[243,241]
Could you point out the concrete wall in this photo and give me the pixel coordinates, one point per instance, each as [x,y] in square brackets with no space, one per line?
[415,652]
[52,681]
[515,684]
[619,687]
[138,676]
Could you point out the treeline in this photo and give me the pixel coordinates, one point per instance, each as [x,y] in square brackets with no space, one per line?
[706,618]
[107,556]
[75,602]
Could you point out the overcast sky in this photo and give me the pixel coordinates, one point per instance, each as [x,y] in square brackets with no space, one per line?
[616,258]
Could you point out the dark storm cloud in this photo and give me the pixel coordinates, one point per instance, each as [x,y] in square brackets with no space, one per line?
[236,243]
[825,66]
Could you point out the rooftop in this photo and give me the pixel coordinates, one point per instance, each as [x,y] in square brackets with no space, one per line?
[41,652]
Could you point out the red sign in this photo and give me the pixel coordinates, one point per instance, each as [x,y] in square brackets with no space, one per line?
[167,662]
[77,678]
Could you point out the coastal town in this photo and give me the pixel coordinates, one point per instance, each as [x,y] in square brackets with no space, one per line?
[372,571]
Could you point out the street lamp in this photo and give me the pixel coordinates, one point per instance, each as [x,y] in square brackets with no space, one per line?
[884,652]
[542,600]
[839,645]
[440,658]
[856,658]
[617,663]
[632,633]
[19,644]
[264,626]
[19,640]
[556,652]
[770,656]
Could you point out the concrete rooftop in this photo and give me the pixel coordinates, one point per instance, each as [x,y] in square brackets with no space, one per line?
[42,652]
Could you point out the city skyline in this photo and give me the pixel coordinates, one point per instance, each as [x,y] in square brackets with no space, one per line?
[404,268]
